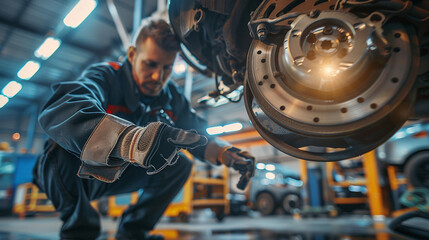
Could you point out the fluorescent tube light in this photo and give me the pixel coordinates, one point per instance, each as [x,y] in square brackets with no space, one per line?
[214,130]
[3,100]
[233,127]
[11,89]
[78,14]
[48,47]
[29,69]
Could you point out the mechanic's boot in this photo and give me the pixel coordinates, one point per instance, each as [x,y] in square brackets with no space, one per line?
[147,236]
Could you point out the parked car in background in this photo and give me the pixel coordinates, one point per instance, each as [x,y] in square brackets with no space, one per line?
[409,149]
[275,185]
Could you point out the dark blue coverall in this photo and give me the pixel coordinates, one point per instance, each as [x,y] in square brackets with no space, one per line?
[93,108]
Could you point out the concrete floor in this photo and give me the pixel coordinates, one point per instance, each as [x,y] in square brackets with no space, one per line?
[232,228]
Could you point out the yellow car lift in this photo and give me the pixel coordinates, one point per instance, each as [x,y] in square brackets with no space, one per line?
[29,200]
[375,197]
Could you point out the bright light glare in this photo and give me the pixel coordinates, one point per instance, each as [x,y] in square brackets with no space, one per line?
[329,70]
[270,175]
[217,102]
[293,182]
[48,47]
[29,69]
[233,127]
[236,93]
[78,14]
[3,100]
[16,136]
[412,130]
[270,167]
[399,135]
[179,68]
[260,166]
[215,130]
[353,188]
[11,89]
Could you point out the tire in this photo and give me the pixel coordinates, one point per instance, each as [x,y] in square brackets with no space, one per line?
[265,203]
[291,202]
[417,170]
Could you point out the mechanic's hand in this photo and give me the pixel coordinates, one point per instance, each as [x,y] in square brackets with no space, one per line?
[241,161]
[156,145]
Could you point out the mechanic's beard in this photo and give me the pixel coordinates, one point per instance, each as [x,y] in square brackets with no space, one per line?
[152,88]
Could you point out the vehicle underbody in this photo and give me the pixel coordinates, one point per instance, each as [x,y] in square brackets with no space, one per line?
[343,75]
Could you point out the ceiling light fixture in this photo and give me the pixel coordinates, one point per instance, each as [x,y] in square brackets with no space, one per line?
[11,89]
[79,13]
[232,127]
[48,47]
[3,100]
[28,70]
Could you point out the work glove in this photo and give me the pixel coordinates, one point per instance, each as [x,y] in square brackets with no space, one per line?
[156,146]
[239,160]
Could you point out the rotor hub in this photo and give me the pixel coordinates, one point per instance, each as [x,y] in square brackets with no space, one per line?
[328,73]
[326,53]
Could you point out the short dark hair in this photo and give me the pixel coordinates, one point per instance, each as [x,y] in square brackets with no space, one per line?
[160,31]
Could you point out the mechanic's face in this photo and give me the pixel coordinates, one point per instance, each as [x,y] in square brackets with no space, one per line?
[151,66]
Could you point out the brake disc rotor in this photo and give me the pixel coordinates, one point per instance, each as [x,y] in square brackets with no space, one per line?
[333,82]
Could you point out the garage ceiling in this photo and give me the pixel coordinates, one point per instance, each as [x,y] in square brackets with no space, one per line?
[25,24]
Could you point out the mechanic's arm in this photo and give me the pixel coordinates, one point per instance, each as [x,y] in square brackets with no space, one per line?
[75,113]
[74,117]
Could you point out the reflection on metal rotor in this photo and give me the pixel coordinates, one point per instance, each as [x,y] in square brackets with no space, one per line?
[330,82]
[339,74]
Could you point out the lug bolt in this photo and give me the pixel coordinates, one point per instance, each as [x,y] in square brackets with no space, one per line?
[311,38]
[328,30]
[311,55]
[342,37]
[314,13]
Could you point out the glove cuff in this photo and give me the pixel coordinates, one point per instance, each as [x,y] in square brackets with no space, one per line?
[220,158]
[212,149]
